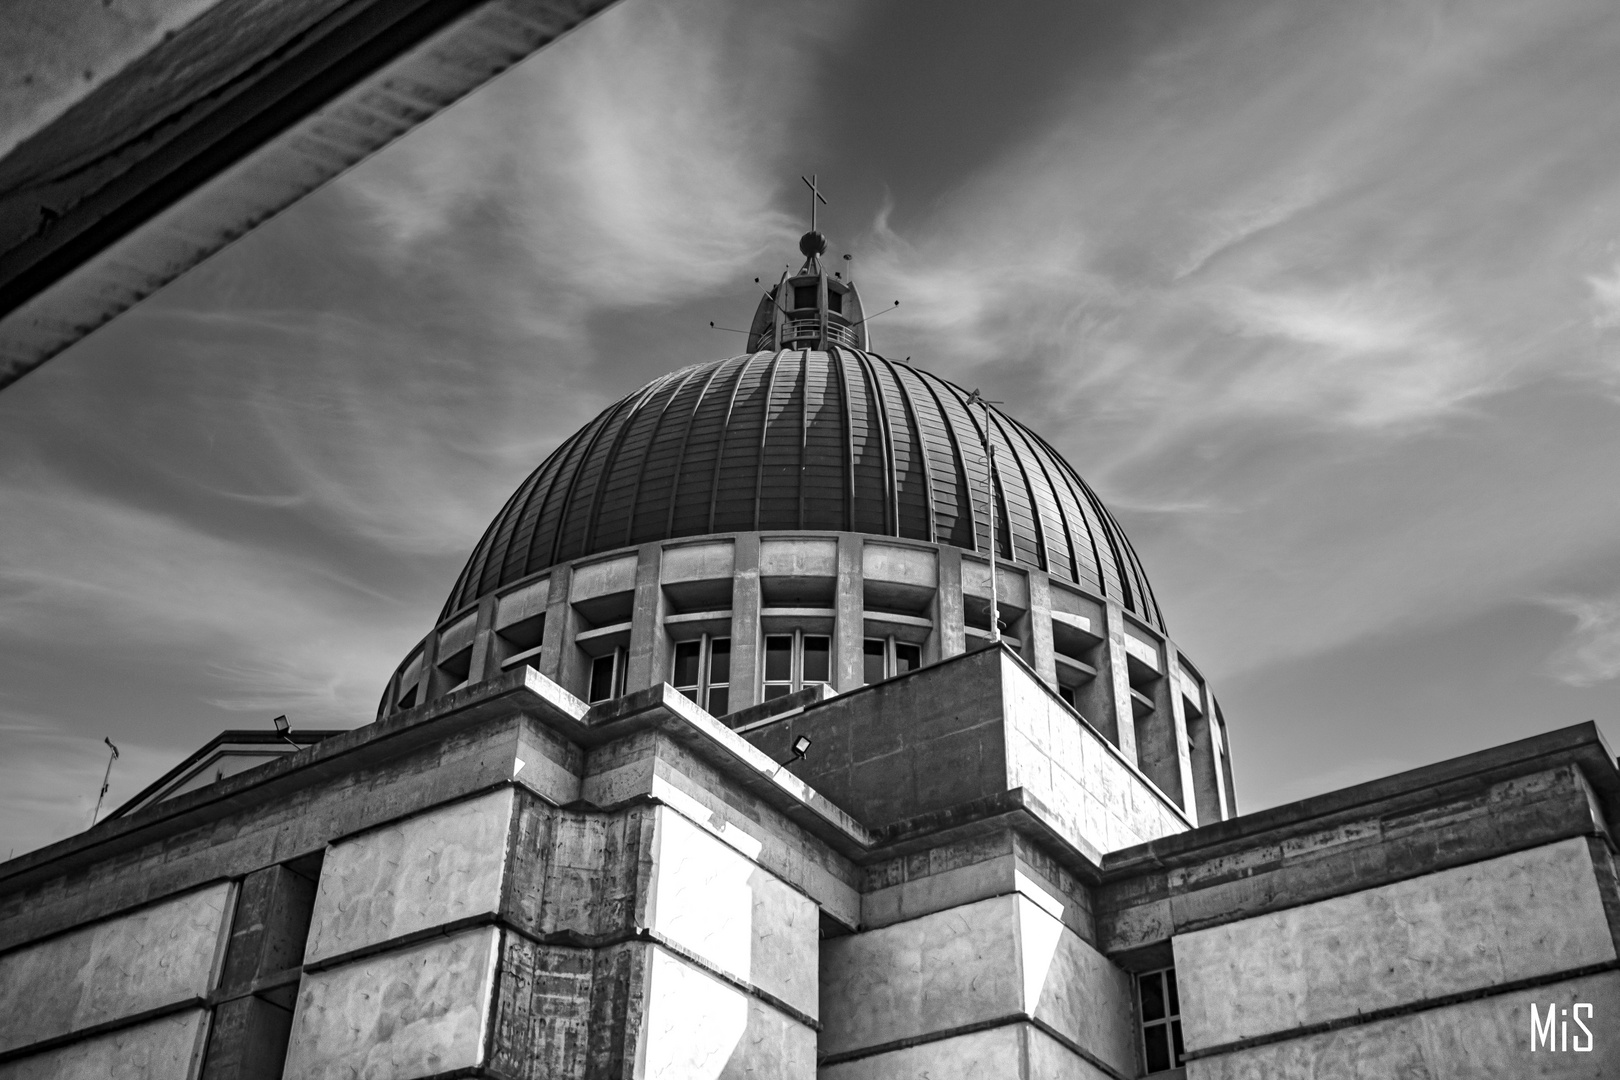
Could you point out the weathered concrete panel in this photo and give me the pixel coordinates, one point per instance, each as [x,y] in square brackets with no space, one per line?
[934,973]
[806,557]
[1051,1060]
[997,958]
[1531,913]
[413,1012]
[977,868]
[708,899]
[169,1048]
[157,956]
[651,765]
[1095,795]
[697,1027]
[542,1010]
[426,871]
[1075,990]
[1484,1039]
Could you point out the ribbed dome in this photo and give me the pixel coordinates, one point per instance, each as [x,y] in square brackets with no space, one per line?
[795,439]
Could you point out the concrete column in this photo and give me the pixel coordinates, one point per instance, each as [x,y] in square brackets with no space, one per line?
[648,648]
[431,683]
[1203,749]
[1171,689]
[1038,642]
[849,605]
[746,678]
[1117,720]
[950,637]
[485,663]
[1218,722]
[1161,736]
[559,659]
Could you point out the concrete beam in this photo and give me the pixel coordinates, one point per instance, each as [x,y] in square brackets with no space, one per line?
[138,139]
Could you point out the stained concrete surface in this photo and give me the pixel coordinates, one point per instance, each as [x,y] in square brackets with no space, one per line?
[414,1012]
[425,871]
[157,956]
[1095,795]
[1531,913]
[1485,1039]
[997,958]
[168,1048]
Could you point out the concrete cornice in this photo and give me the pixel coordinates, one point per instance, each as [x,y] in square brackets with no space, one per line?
[1580,745]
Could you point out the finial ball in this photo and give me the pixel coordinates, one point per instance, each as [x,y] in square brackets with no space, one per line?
[812,243]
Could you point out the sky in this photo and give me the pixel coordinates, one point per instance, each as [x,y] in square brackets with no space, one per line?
[1323,299]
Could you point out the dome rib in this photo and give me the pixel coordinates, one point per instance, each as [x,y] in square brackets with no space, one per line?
[806,440]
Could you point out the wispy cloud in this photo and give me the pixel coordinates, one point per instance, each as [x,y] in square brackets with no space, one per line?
[1591,655]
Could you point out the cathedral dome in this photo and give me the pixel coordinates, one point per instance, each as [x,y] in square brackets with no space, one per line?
[838,440]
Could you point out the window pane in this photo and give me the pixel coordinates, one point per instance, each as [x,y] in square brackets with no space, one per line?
[601,679]
[1170,986]
[817,659]
[835,300]
[1152,997]
[1157,1047]
[1175,1038]
[872,654]
[686,665]
[777,690]
[906,657]
[1066,693]
[718,696]
[779,658]
[804,296]
[719,660]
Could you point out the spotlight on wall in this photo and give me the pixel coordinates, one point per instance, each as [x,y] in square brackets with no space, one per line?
[283,728]
[801,747]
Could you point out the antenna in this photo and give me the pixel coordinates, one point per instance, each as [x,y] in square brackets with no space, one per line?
[106,778]
[875,314]
[727,329]
[976,398]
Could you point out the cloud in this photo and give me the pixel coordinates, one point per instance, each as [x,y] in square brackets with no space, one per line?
[1606,297]
[639,164]
[1591,655]
[49,780]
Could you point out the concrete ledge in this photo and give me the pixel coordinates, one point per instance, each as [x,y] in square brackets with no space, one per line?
[1579,744]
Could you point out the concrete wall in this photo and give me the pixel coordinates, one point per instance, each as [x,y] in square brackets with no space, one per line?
[975,726]
[1012,1052]
[710,901]
[1084,781]
[413,1012]
[156,957]
[1518,916]
[1002,959]
[426,871]
[168,1048]
[699,1027]
[1483,1039]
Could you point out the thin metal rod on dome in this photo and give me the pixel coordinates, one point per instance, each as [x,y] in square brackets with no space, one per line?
[990,484]
[106,779]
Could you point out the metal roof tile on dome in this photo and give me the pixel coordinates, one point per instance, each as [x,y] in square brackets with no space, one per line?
[795,439]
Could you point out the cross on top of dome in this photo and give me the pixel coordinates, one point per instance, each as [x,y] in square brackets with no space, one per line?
[811,309]
[813,243]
